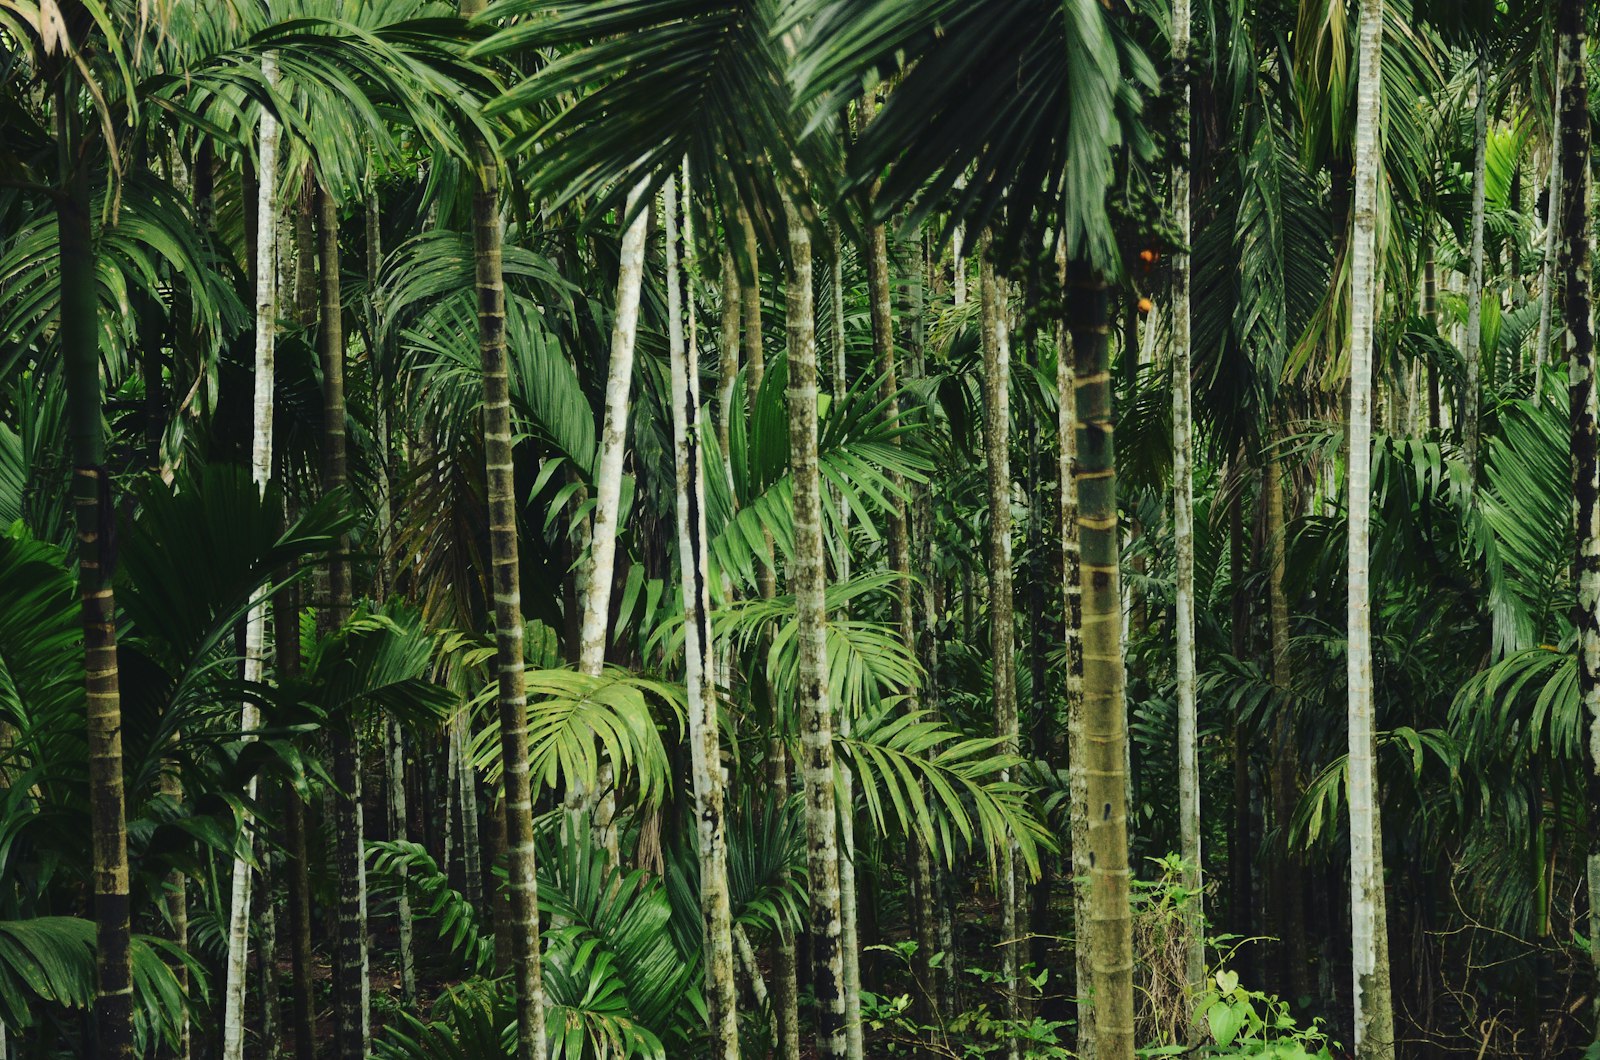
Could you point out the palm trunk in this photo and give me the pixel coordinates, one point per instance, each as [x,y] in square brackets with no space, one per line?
[1104,735]
[1072,622]
[1471,351]
[394,748]
[608,488]
[91,491]
[728,356]
[286,635]
[1548,265]
[506,584]
[816,709]
[1288,882]
[722,1012]
[1374,1017]
[352,991]
[471,843]
[882,322]
[849,911]
[266,284]
[1577,311]
[785,960]
[1002,620]
[1183,531]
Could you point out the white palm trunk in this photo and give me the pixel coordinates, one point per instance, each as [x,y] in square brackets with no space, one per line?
[1471,352]
[608,489]
[266,266]
[1374,1017]
[1183,529]
[1002,631]
[808,580]
[705,749]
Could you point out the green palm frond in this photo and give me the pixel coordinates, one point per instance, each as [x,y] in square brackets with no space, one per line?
[639,84]
[1035,94]
[51,961]
[573,718]
[952,789]
[612,968]
[377,661]
[400,863]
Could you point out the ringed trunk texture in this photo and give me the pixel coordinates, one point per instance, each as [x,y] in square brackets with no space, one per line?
[1104,734]
[266,315]
[352,989]
[1183,531]
[816,708]
[1072,622]
[1577,311]
[91,498]
[302,1007]
[1002,613]
[705,750]
[506,585]
[1374,1016]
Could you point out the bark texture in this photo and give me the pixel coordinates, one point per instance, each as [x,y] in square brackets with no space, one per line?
[705,750]
[815,705]
[1104,732]
[1374,1016]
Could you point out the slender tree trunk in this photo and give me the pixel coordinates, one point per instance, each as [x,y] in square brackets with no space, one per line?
[1430,312]
[608,487]
[728,357]
[722,1013]
[1472,351]
[506,582]
[849,912]
[266,284]
[1374,1017]
[352,991]
[286,639]
[395,749]
[1002,621]
[1577,311]
[1072,632]
[1241,846]
[1104,734]
[1549,266]
[785,960]
[91,493]
[1183,530]
[1288,883]
[816,708]
[471,842]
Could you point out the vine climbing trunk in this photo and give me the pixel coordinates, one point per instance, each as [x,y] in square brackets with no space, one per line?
[1183,529]
[1002,610]
[807,579]
[1103,736]
[1577,311]
[505,581]
[705,750]
[92,507]
[1373,1007]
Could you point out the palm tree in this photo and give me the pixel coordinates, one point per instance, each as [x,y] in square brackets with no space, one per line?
[1472,350]
[1374,1019]
[1002,613]
[807,576]
[1577,311]
[91,491]
[700,673]
[506,584]
[266,323]
[1183,523]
